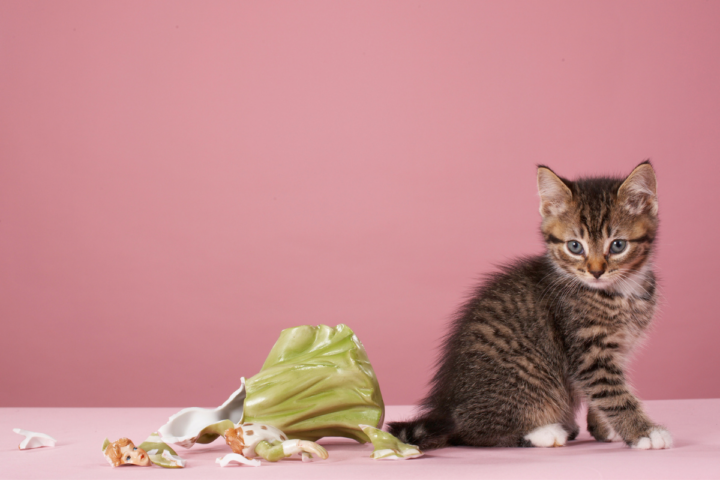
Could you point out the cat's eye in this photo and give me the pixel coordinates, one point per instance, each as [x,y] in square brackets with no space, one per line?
[127,459]
[135,448]
[575,247]
[617,246]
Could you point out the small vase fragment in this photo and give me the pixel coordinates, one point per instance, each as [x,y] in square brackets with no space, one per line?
[124,452]
[388,447]
[34,439]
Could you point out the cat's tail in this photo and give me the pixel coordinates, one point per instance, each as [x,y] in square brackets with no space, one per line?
[426,433]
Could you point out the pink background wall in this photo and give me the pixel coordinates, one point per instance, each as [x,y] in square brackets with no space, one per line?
[179,181]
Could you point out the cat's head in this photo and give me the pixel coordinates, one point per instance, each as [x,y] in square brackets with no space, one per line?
[600,230]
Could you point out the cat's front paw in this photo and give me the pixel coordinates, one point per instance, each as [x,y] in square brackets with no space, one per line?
[657,439]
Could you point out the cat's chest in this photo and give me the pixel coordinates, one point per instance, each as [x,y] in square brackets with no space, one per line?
[622,319]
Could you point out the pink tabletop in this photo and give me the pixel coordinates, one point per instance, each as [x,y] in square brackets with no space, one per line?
[695,425]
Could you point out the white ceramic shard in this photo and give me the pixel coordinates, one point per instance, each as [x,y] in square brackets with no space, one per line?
[34,439]
[236,457]
[203,425]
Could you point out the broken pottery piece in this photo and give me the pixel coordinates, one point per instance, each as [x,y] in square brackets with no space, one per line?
[387,446]
[317,381]
[160,453]
[167,460]
[34,439]
[203,425]
[124,452]
[257,440]
[237,458]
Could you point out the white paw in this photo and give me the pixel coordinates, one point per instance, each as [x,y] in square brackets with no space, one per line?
[657,439]
[553,435]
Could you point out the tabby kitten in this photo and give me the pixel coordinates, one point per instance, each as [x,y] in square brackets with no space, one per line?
[551,331]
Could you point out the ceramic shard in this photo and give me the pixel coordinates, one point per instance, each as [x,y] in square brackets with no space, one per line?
[34,439]
[387,446]
[237,458]
[160,453]
[258,440]
[168,460]
[124,452]
[204,425]
[317,381]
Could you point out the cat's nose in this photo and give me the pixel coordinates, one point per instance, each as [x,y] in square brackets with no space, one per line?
[596,273]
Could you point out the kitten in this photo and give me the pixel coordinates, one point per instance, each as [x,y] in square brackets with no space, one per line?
[551,331]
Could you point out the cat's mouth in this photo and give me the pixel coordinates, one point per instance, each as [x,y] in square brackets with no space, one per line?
[598,283]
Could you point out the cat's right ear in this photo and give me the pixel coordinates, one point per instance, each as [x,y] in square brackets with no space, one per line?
[555,196]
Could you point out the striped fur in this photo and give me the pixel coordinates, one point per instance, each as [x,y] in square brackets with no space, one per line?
[546,333]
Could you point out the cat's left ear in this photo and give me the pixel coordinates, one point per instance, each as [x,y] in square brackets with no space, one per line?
[638,193]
